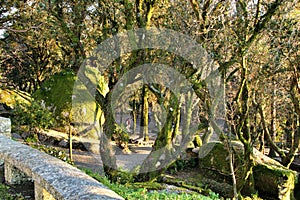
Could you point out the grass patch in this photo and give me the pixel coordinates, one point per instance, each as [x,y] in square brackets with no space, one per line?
[132,191]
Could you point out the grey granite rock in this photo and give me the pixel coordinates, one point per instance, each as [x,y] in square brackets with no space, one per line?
[5,126]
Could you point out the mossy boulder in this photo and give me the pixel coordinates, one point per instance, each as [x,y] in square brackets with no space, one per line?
[56,92]
[10,97]
[214,155]
[214,167]
[70,101]
[271,179]
[274,182]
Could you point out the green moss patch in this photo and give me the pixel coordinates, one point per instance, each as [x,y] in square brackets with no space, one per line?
[271,179]
[56,92]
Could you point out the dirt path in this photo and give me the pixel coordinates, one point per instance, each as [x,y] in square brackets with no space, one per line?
[125,161]
[91,157]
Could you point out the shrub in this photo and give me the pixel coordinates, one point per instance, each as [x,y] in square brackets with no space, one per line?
[121,137]
[34,116]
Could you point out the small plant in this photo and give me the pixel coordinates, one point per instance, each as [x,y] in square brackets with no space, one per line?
[4,194]
[121,137]
[123,177]
[32,138]
[181,164]
[213,195]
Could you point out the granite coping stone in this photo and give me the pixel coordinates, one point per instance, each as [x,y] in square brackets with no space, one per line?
[5,126]
[60,179]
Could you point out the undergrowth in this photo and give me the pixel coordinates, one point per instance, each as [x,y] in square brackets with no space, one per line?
[6,195]
[131,191]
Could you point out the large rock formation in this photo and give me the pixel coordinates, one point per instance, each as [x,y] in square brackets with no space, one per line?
[271,179]
[56,93]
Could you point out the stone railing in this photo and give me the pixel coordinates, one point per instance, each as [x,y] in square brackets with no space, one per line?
[53,178]
[5,125]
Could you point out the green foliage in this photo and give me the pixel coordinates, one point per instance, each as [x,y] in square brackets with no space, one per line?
[6,195]
[55,152]
[122,177]
[34,115]
[32,138]
[121,136]
[181,164]
[131,191]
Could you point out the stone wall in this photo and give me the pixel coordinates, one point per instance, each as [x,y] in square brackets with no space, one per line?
[5,129]
[53,178]
[5,126]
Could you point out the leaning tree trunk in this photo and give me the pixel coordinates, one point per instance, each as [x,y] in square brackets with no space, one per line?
[176,122]
[164,152]
[107,152]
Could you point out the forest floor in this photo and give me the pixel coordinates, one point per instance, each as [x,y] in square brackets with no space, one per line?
[88,156]
[125,161]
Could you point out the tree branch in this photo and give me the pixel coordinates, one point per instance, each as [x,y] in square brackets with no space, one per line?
[259,27]
[269,138]
[20,31]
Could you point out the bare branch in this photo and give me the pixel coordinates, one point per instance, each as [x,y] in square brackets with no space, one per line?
[20,31]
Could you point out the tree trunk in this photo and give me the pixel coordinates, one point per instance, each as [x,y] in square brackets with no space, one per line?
[162,154]
[176,123]
[262,142]
[243,130]
[107,152]
[272,153]
[145,111]
[134,117]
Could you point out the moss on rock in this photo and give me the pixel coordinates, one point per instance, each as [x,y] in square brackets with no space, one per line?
[214,156]
[9,97]
[271,178]
[56,92]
